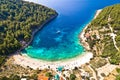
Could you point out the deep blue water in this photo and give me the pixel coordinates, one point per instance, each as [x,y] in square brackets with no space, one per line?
[59,38]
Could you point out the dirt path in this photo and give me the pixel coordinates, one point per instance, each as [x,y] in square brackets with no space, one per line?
[113,35]
[94,73]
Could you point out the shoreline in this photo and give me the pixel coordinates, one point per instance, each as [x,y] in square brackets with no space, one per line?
[25,61]
[82,34]
[33,34]
[41,26]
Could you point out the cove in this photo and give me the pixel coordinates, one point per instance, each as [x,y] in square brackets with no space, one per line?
[58,39]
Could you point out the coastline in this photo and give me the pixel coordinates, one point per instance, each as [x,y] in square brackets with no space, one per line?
[25,61]
[32,35]
[41,26]
[82,34]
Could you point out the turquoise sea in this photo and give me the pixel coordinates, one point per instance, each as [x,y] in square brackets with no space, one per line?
[59,39]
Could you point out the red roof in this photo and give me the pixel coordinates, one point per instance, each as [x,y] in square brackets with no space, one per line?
[41,77]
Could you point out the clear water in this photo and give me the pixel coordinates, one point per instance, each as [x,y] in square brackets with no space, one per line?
[59,38]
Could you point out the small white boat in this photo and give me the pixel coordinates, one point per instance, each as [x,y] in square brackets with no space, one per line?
[58,31]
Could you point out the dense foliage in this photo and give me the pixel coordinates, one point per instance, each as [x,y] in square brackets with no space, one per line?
[2,60]
[104,46]
[16,77]
[72,77]
[118,76]
[18,19]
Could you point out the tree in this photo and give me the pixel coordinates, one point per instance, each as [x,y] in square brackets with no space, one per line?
[49,74]
[14,77]
[72,76]
[17,21]
[4,78]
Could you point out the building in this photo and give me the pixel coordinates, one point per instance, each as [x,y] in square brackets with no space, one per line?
[42,77]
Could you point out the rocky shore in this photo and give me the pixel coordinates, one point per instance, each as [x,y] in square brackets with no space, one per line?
[83,35]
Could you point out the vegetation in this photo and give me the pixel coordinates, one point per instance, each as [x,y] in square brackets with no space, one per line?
[2,60]
[72,77]
[104,46]
[49,74]
[118,76]
[98,62]
[18,19]
[16,77]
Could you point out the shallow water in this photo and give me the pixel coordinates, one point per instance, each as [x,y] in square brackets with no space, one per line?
[59,38]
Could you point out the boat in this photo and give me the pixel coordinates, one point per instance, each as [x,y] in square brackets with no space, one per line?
[58,32]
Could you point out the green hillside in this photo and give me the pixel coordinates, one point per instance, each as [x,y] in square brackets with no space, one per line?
[107,27]
[18,19]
